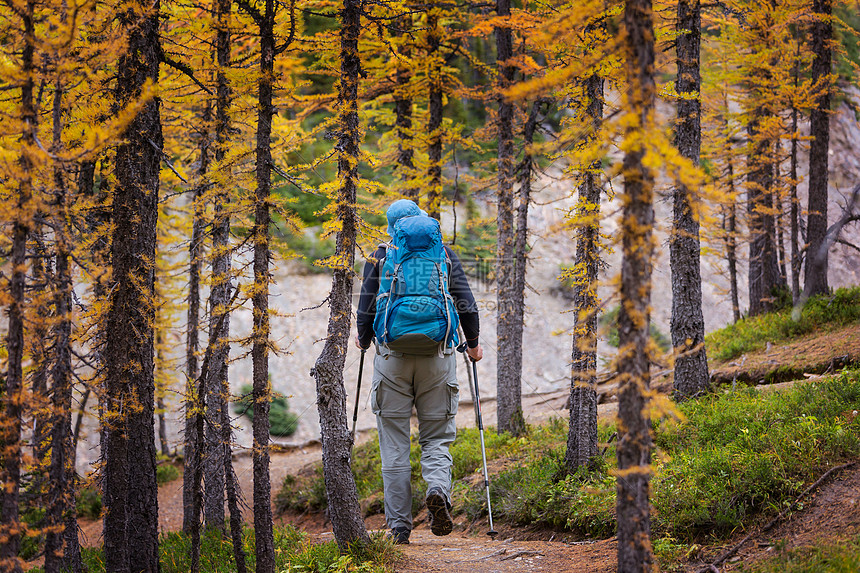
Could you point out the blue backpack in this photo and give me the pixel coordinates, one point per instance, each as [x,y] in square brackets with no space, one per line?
[415,313]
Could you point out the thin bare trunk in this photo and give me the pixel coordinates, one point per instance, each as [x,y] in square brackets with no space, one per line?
[344,511]
[61,519]
[508,368]
[582,429]
[434,125]
[403,108]
[819,127]
[265,545]
[688,323]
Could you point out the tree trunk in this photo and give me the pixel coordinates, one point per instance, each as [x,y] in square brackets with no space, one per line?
[232,484]
[344,511]
[40,404]
[131,522]
[403,109]
[526,171]
[434,125]
[10,392]
[815,280]
[508,384]
[763,264]
[794,212]
[688,325]
[582,429]
[731,244]
[265,544]
[60,516]
[159,402]
[193,342]
[634,444]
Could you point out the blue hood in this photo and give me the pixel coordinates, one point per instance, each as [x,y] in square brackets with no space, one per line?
[399,209]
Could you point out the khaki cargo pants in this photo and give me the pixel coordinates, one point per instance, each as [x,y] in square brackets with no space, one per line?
[430,384]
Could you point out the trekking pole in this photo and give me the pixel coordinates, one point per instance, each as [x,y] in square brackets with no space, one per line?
[357,393]
[492,532]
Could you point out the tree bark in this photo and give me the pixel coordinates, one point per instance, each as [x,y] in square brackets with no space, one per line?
[634,444]
[688,324]
[794,209]
[508,383]
[192,346]
[819,128]
[403,109]
[344,511]
[763,264]
[731,243]
[434,125]
[582,429]
[265,544]
[61,519]
[10,392]
[131,522]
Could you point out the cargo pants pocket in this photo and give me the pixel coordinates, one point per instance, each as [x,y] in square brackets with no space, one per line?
[453,397]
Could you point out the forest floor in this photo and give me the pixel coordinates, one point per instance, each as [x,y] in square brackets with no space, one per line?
[831,514]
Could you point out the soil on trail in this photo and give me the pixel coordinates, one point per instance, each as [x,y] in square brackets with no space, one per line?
[478,554]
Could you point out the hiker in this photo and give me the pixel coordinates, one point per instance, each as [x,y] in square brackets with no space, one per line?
[413,322]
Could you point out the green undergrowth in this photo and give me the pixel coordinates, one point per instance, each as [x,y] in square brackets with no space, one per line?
[735,458]
[282,422]
[307,492]
[832,557]
[293,553]
[821,313]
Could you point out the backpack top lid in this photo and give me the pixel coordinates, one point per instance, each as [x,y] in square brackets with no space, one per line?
[416,234]
[399,209]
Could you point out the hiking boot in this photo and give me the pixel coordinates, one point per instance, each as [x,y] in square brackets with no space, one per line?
[399,535]
[440,512]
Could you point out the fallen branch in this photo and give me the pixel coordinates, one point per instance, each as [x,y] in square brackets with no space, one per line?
[522,553]
[713,566]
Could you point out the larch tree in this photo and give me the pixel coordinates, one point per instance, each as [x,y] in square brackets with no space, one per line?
[509,339]
[262,391]
[761,102]
[688,324]
[633,362]
[22,222]
[815,277]
[131,520]
[62,546]
[435,81]
[582,428]
[344,511]
[401,31]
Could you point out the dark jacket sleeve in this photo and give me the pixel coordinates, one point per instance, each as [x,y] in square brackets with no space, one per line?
[464,300]
[367,299]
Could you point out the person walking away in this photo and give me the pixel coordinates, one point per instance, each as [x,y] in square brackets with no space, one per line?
[413,295]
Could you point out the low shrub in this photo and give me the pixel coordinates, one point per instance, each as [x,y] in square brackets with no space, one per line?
[282,422]
[89,503]
[165,473]
[292,553]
